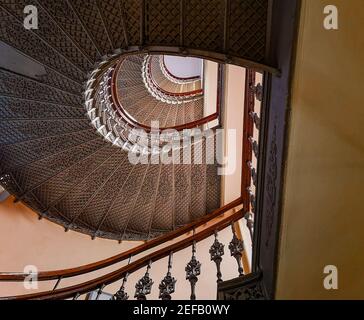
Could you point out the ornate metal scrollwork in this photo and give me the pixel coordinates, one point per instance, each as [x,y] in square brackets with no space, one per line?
[255,146]
[121,294]
[253,173]
[168,284]
[249,287]
[216,253]
[255,118]
[144,285]
[193,270]
[258,91]
[250,223]
[252,200]
[236,247]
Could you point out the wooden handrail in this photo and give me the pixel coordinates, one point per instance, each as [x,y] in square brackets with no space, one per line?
[66,273]
[91,285]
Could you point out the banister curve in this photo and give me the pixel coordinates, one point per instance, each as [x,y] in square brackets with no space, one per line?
[70,272]
[88,286]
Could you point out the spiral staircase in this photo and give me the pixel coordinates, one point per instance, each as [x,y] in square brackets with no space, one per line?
[65,134]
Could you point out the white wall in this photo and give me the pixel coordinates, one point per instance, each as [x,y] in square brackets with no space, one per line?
[233,120]
[183,67]
[210,87]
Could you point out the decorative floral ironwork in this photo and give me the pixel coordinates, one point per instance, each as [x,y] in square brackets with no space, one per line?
[255,146]
[121,294]
[250,223]
[236,247]
[255,118]
[253,173]
[168,284]
[216,253]
[249,293]
[252,200]
[144,286]
[249,287]
[193,270]
[258,91]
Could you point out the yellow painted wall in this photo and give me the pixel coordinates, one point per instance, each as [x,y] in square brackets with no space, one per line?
[323,208]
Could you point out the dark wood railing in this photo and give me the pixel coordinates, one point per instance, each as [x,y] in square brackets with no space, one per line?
[102,281]
[71,272]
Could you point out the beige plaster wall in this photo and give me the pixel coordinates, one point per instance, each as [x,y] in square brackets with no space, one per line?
[233,120]
[210,86]
[26,241]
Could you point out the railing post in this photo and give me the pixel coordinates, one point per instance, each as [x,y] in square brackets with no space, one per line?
[193,270]
[144,285]
[236,248]
[99,292]
[121,294]
[168,284]
[216,253]
[250,223]
[57,283]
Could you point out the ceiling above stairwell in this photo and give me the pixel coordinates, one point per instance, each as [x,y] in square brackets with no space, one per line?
[183,67]
[79,175]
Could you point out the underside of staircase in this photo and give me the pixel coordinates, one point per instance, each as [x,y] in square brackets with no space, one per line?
[52,159]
